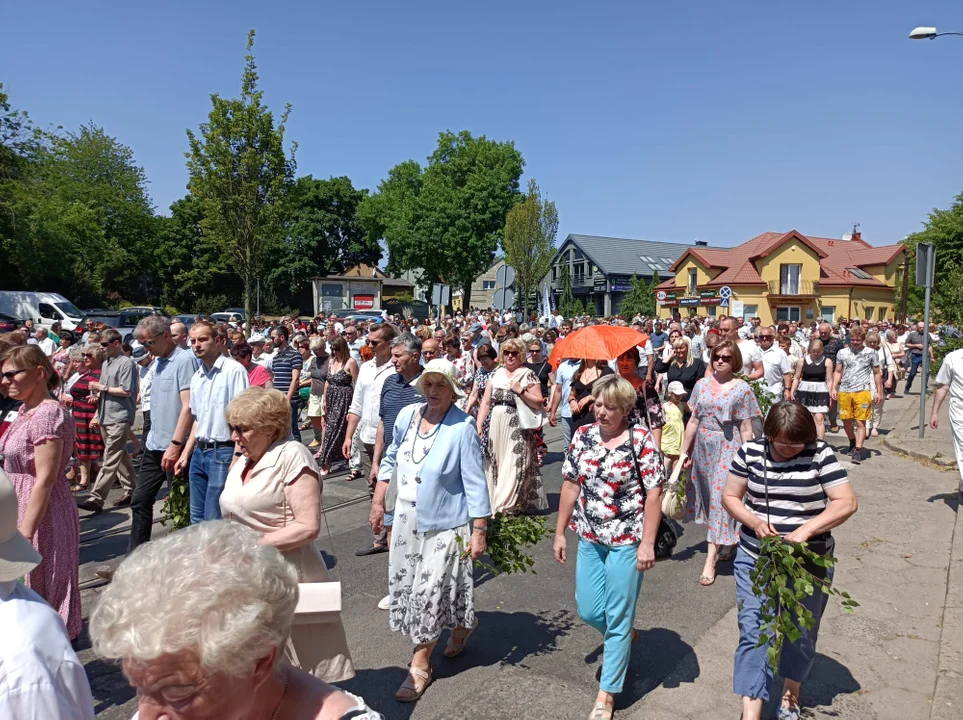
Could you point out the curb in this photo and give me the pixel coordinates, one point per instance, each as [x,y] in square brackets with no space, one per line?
[948,691]
[901,446]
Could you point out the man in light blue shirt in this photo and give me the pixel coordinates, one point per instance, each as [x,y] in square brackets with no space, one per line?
[170,421]
[209,449]
[563,387]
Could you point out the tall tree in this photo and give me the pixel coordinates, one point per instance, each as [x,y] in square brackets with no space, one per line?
[944,229]
[636,300]
[241,174]
[447,219]
[566,299]
[323,235]
[529,243]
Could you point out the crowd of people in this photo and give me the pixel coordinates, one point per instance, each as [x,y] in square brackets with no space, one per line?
[444,422]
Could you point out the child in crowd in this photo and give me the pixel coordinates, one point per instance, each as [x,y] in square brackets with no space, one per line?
[673,429]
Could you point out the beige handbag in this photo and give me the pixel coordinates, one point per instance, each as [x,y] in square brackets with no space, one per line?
[318,602]
[671,506]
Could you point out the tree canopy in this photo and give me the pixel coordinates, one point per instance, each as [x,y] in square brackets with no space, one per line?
[944,229]
[529,243]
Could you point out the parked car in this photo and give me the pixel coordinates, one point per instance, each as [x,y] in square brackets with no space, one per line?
[228,317]
[145,310]
[189,320]
[44,309]
[8,323]
[363,315]
[124,321]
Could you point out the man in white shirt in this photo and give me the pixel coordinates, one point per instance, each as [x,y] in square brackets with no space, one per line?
[355,343]
[41,676]
[209,448]
[776,366]
[751,356]
[258,356]
[949,381]
[46,343]
[363,415]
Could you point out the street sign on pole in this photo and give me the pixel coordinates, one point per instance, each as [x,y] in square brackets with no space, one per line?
[925,270]
[504,298]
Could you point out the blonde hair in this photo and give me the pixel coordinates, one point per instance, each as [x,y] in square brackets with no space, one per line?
[260,408]
[30,357]
[679,342]
[614,390]
[96,350]
[513,344]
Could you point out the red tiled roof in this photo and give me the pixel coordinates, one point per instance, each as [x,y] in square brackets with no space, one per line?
[835,257]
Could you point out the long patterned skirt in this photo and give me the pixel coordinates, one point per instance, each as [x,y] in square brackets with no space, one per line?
[430,580]
[514,477]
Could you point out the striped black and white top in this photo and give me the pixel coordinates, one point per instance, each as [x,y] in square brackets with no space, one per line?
[797,487]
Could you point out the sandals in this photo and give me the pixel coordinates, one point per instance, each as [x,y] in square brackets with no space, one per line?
[727,554]
[354,475]
[601,711]
[414,685]
[456,644]
[79,487]
[706,580]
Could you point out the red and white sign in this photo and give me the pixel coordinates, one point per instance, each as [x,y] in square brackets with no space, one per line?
[660,295]
[364,302]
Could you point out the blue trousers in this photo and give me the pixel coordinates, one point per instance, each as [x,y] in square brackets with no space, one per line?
[915,362]
[295,412]
[607,587]
[208,475]
[752,675]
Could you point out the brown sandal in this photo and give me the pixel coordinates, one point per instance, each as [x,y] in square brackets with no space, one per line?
[456,643]
[79,487]
[414,685]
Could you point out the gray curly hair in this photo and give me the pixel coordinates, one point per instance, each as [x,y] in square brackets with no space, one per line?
[234,600]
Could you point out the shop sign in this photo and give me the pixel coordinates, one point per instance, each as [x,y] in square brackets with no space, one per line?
[688,302]
[621,287]
[601,284]
[668,303]
[710,301]
[364,302]
[707,293]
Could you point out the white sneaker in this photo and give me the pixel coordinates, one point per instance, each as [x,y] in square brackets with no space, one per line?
[385,603]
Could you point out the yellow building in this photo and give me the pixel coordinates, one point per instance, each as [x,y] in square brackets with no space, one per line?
[786,276]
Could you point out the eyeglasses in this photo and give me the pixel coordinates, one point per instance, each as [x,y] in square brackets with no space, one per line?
[11,374]
[239,429]
[510,353]
[723,359]
[150,342]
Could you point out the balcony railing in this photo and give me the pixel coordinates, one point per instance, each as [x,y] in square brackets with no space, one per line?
[804,288]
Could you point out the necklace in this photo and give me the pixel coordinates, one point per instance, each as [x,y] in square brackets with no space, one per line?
[428,446]
[284,691]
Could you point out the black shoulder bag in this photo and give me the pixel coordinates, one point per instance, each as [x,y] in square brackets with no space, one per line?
[665,538]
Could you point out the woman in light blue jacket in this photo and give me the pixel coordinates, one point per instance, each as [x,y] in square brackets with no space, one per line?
[440,520]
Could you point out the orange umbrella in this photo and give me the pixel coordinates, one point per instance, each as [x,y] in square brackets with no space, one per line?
[595,342]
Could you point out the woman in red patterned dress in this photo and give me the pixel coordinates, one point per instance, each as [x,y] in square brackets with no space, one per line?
[36,451]
[83,403]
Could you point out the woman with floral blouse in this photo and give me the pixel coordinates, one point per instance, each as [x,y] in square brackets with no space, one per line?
[613,479]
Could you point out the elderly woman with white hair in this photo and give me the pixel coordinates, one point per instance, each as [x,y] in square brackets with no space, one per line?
[274,488]
[216,649]
[440,522]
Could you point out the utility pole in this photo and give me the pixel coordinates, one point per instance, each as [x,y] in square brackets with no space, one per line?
[925,268]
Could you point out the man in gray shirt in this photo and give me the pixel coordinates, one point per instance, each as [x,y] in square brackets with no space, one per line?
[115,416]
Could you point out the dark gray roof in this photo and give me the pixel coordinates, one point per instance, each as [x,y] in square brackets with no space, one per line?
[627,256]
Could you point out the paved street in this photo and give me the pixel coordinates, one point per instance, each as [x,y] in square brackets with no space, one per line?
[534,658]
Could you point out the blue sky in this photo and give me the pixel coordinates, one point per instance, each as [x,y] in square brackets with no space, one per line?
[666,121]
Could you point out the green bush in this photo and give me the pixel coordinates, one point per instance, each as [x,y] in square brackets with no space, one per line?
[941,351]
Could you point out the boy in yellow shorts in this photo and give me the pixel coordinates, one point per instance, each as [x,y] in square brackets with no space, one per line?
[857,367]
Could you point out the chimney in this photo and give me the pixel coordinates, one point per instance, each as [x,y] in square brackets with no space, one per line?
[702,243]
[857,236]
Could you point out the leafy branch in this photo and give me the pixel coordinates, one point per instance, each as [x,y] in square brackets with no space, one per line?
[782,577]
[177,504]
[507,538]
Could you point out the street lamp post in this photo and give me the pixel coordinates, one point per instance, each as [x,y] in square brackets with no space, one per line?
[929,33]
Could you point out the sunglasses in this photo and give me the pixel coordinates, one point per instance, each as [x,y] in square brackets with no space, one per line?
[105,344]
[510,353]
[86,355]
[767,337]
[239,429]
[150,342]
[11,374]
[723,359]
[375,343]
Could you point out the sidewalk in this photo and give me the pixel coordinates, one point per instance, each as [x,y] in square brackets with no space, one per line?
[900,655]
[936,446]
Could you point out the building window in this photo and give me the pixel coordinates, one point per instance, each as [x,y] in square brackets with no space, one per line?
[828,313]
[711,310]
[868,312]
[792,313]
[554,273]
[488,284]
[789,279]
[693,281]
[749,311]
[882,314]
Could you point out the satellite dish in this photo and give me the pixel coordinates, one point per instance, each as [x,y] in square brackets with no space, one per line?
[847,237]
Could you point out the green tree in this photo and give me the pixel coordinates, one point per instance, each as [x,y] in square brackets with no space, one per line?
[447,220]
[323,237]
[944,229]
[566,299]
[241,174]
[529,243]
[649,309]
[635,301]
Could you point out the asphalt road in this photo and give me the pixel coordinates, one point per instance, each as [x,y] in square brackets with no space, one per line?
[532,656]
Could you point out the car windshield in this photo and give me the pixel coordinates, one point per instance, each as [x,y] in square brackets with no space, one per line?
[69,309]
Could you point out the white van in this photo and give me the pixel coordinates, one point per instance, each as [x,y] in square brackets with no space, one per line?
[43,308]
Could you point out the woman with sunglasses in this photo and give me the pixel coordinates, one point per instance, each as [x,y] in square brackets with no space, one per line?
[83,404]
[723,407]
[35,453]
[514,477]
[273,487]
[814,496]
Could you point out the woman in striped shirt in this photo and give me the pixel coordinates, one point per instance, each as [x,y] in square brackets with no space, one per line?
[788,484]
